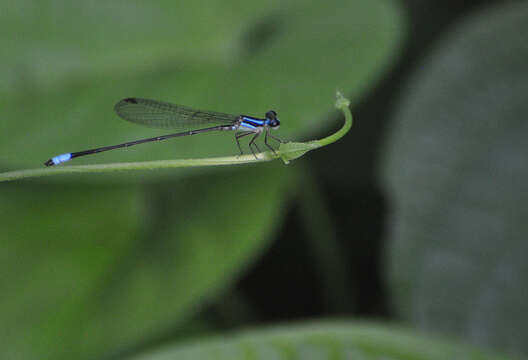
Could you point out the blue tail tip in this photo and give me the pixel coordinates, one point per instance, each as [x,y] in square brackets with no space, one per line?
[58,159]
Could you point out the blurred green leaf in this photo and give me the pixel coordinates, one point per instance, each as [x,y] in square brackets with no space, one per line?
[53,43]
[59,245]
[203,233]
[321,341]
[103,286]
[457,173]
[68,65]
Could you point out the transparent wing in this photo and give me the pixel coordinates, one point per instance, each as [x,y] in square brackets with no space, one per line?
[158,114]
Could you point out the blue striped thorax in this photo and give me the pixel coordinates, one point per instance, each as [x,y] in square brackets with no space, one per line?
[255,124]
[251,123]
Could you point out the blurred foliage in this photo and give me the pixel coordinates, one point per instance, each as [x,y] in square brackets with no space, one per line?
[456,167]
[321,341]
[110,265]
[106,266]
[60,245]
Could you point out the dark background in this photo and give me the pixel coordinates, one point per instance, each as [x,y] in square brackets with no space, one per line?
[360,230]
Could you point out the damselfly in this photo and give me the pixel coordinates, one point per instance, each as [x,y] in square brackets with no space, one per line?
[160,114]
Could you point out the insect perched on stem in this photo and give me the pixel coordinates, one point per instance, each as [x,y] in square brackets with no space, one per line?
[160,114]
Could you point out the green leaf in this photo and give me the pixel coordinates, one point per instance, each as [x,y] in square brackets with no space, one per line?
[321,341]
[94,271]
[64,80]
[199,241]
[59,245]
[457,173]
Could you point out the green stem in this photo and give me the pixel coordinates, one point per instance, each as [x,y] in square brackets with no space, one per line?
[287,152]
[342,104]
[293,150]
[145,165]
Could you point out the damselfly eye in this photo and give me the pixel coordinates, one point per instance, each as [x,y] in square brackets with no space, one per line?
[271,115]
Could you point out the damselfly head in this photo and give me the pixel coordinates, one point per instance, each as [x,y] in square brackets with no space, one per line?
[273,121]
